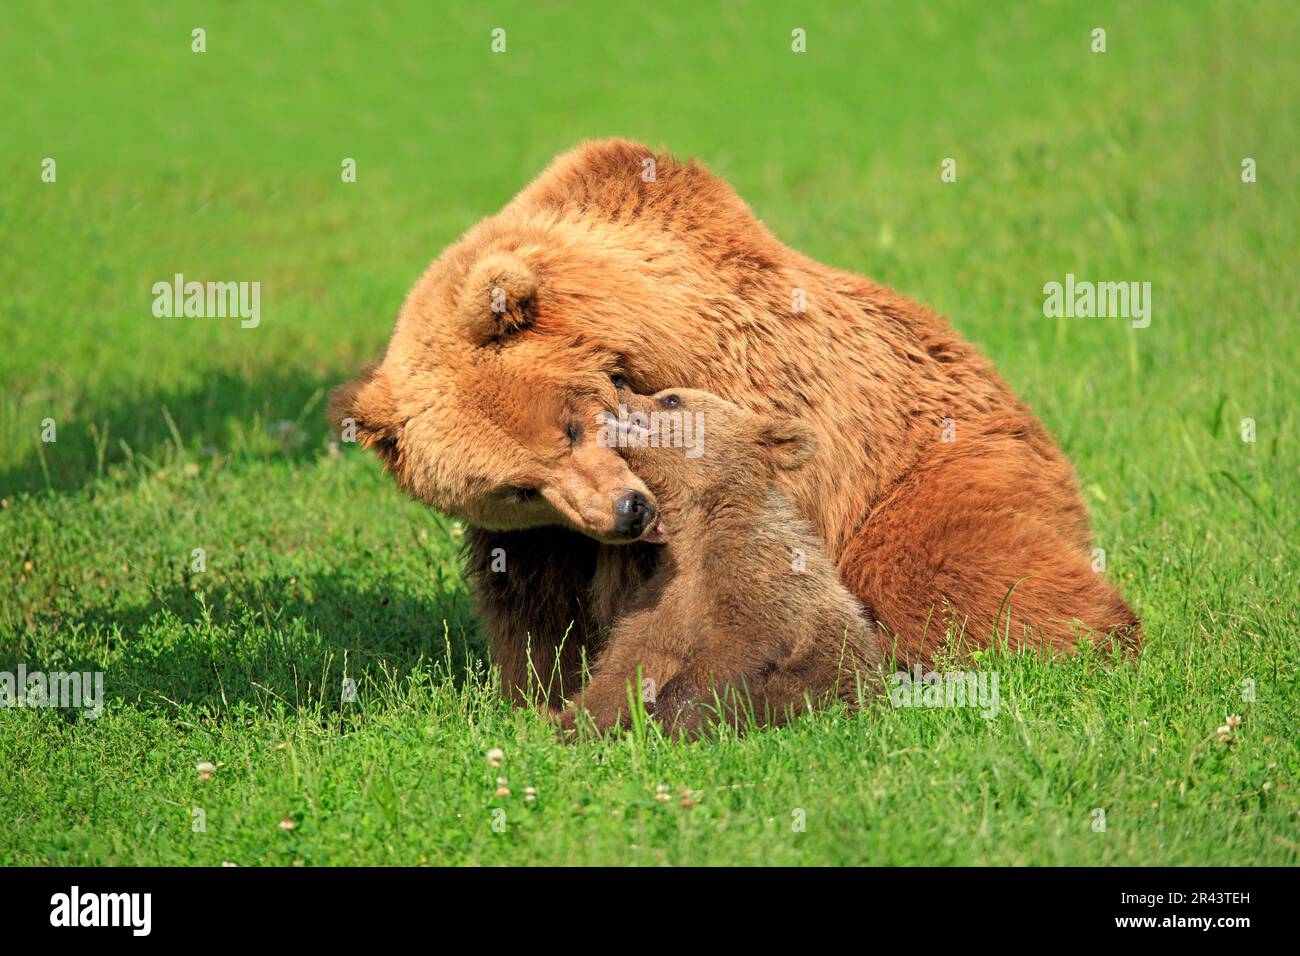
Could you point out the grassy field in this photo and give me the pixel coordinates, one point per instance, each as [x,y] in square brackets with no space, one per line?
[182,433]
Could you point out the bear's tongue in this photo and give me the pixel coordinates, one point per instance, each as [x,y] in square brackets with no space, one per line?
[656,535]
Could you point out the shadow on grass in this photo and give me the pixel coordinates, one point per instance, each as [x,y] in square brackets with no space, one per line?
[277,641]
[263,413]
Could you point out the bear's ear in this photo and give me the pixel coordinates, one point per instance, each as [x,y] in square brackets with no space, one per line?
[786,443]
[363,411]
[498,297]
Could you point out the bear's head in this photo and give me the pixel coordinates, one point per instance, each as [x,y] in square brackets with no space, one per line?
[616,267]
[703,456]
[505,438]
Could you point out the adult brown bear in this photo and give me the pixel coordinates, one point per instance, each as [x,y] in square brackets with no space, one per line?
[937,492]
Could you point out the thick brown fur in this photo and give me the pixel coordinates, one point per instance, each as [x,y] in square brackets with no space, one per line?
[482,407]
[745,618]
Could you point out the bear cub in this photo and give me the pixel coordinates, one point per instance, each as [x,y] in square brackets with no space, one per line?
[745,618]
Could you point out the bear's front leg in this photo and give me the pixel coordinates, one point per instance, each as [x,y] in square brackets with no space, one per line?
[751,682]
[531,591]
[724,678]
[697,698]
[628,674]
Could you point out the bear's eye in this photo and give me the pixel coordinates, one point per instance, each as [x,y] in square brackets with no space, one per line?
[618,381]
[572,432]
[519,494]
[670,401]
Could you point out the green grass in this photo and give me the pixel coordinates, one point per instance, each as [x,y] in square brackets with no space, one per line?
[172,435]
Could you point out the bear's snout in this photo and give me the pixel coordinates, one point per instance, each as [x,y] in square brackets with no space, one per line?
[633,513]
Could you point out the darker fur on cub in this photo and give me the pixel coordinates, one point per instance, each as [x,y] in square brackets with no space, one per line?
[745,617]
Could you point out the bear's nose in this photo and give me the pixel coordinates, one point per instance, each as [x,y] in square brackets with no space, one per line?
[633,513]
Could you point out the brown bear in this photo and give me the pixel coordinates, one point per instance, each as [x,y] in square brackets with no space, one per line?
[936,492]
[745,617]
